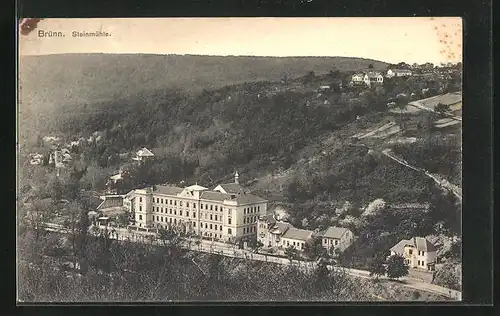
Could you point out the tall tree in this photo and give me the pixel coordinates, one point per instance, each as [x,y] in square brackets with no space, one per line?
[377,267]
[396,267]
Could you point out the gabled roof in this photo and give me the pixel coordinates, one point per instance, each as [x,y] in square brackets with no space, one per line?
[233,188]
[420,243]
[298,234]
[215,196]
[168,190]
[334,232]
[144,152]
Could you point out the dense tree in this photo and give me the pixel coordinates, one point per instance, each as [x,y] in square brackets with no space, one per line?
[396,267]
[442,108]
[377,267]
[314,249]
[291,252]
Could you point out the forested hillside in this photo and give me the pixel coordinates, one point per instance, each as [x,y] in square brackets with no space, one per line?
[76,82]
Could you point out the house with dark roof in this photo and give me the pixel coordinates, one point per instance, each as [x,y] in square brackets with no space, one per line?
[336,238]
[418,252]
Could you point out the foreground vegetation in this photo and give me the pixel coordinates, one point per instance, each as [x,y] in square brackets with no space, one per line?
[120,271]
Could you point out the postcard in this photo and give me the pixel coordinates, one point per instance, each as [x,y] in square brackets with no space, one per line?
[239,160]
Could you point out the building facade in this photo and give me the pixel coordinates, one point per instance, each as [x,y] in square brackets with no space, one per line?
[336,238]
[418,252]
[373,78]
[296,238]
[358,79]
[228,216]
[270,231]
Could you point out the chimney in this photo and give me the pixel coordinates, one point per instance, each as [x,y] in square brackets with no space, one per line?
[236,177]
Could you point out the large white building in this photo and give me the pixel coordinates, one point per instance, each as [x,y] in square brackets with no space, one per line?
[228,212]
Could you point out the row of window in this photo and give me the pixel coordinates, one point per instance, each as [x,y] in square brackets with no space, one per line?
[421,263]
[209,226]
[420,253]
[295,244]
[248,230]
[205,206]
[172,211]
[251,219]
[251,210]
[325,241]
[213,217]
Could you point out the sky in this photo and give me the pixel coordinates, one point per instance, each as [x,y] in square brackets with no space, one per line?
[409,39]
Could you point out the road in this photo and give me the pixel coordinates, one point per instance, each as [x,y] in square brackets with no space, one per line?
[418,105]
[440,181]
[456,190]
[229,250]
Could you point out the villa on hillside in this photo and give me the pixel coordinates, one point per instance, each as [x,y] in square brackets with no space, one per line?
[373,78]
[398,73]
[358,79]
[143,155]
[368,78]
[418,252]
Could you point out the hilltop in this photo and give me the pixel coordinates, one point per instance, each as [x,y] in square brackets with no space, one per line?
[68,79]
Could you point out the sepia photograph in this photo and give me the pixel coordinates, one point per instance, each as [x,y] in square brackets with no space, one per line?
[239,160]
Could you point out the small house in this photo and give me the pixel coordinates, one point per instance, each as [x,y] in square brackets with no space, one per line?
[418,253]
[336,237]
[143,154]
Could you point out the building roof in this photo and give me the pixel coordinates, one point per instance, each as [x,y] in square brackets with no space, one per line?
[373,74]
[269,218]
[297,234]
[233,188]
[196,187]
[215,196]
[144,152]
[420,243]
[168,190]
[334,232]
[280,228]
